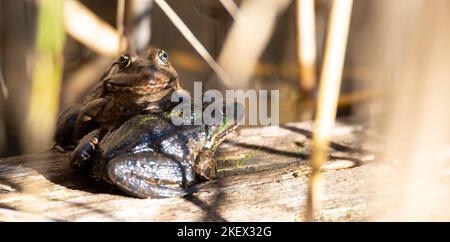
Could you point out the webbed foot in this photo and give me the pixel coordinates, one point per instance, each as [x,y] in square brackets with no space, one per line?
[205,166]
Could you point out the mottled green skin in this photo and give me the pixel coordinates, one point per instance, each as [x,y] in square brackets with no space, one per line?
[148,156]
[134,84]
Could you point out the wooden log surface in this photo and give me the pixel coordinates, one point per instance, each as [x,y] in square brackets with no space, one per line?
[263,176]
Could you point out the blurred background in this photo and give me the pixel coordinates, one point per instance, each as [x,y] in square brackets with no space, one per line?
[82,64]
[395,79]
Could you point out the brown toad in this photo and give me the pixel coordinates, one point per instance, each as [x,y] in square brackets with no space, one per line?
[134,84]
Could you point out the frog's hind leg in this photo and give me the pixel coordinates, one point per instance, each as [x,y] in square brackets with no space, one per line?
[150,175]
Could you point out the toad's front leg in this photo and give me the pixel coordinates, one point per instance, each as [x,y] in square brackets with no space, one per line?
[150,175]
[65,127]
[86,119]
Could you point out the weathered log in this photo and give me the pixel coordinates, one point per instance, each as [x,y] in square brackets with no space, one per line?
[263,175]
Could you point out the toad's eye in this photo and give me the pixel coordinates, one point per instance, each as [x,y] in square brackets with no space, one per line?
[124,61]
[163,57]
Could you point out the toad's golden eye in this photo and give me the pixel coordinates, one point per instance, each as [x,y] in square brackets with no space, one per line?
[124,61]
[163,57]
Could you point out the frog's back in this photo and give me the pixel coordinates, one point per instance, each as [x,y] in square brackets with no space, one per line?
[135,135]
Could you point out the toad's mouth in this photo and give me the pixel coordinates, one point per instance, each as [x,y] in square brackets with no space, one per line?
[139,84]
[160,90]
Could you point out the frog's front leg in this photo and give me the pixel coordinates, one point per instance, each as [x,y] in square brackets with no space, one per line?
[205,166]
[150,175]
[86,149]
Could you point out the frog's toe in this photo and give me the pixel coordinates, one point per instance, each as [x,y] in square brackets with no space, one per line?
[150,175]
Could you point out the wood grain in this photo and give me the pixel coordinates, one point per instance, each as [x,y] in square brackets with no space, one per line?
[269,185]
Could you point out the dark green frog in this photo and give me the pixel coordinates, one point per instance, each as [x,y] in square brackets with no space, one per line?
[149,156]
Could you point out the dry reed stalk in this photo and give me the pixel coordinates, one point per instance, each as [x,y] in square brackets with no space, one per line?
[248,37]
[120,24]
[306,45]
[231,7]
[84,26]
[187,33]
[330,80]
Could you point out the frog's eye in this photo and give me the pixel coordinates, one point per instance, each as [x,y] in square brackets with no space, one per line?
[163,57]
[124,61]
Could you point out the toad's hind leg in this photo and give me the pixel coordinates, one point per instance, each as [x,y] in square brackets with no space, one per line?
[65,126]
[150,175]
